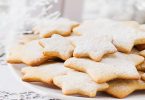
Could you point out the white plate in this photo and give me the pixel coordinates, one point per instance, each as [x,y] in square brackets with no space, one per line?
[55,93]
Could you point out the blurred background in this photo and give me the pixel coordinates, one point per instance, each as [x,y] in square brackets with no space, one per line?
[18,16]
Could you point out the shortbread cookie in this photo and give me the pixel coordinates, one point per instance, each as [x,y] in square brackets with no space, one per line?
[78,83]
[14,53]
[44,73]
[112,67]
[57,46]
[94,47]
[125,35]
[97,26]
[60,26]
[33,54]
[122,88]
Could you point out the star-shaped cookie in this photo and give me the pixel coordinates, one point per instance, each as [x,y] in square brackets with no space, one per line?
[60,26]
[94,47]
[32,54]
[122,88]
[125,34]
[78,83]
[44,73]
[57,46]
[112,67]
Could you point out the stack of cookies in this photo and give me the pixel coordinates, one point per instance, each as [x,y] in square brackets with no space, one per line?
[84,58]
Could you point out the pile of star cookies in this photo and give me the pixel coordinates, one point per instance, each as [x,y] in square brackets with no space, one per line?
[84,58]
